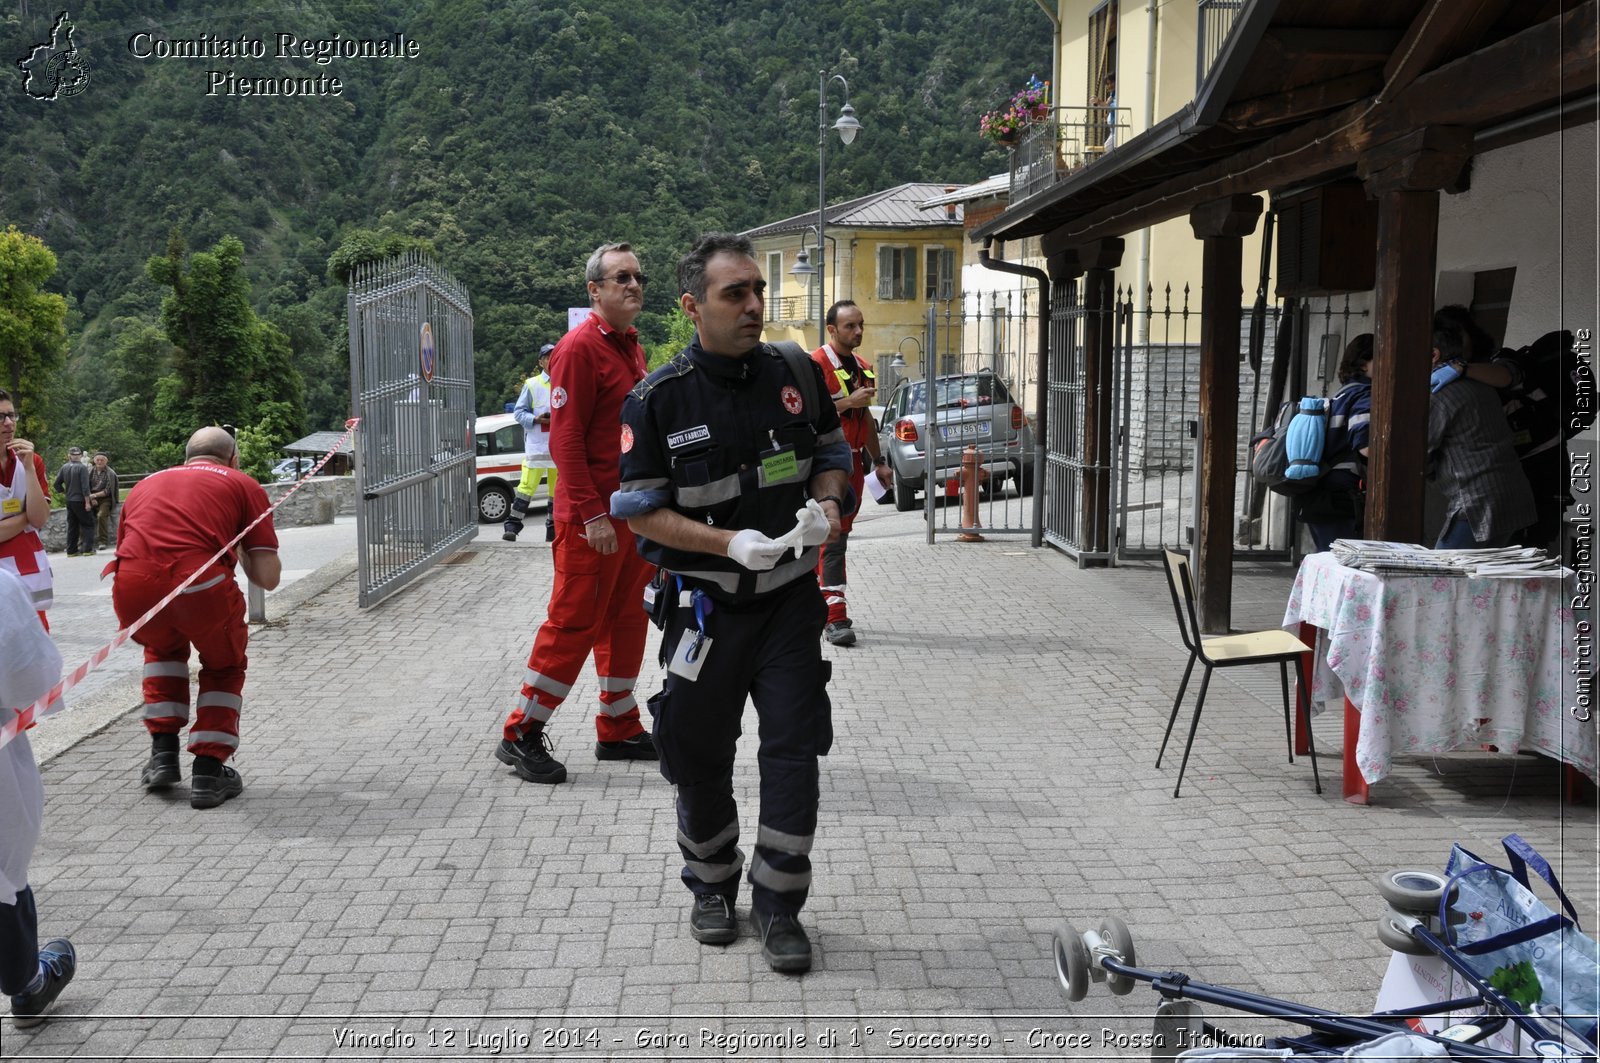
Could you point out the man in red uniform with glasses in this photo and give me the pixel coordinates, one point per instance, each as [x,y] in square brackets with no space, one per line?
[173,523]
[596,603]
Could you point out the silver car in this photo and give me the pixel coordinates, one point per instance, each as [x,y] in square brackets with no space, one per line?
[975,409]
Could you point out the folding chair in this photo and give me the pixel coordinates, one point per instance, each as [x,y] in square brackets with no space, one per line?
[1229,651]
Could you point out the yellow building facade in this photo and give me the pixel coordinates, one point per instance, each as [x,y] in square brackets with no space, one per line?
[884,251]
[1157,55]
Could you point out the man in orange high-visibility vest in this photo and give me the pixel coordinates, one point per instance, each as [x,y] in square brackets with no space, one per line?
[853,386]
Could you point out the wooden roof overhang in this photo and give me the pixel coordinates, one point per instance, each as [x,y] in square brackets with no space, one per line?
[1307,91]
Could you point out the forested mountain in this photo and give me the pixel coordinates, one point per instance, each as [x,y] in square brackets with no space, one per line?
[520,135]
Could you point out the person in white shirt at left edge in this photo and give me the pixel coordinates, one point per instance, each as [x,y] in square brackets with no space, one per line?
[30,665]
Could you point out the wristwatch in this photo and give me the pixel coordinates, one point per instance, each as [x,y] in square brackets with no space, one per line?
[835,499]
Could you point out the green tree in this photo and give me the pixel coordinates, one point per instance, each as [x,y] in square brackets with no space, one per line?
[680,331]
[210,322]
[33,337]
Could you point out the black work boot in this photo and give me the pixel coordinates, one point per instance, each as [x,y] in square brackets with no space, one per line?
[640,747]
[212,782]
[784,944]
[711,919]
[529,756]
[519,510]
[161,770]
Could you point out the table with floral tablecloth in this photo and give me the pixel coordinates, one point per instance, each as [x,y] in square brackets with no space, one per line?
[1435,663]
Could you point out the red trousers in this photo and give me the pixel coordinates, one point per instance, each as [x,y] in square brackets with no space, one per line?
[831,575]
[209,616]
[597,604]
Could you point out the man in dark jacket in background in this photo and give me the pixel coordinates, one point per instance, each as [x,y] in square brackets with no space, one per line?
[73,481]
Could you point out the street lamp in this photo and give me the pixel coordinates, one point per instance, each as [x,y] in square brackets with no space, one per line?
[847,127]
[804,271]
[899,366]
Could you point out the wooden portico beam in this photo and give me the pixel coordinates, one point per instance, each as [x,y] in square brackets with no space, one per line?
[1263,112]
[1308,44]
[1521,73]
[1441,29]
[1221,226]
[1405,177]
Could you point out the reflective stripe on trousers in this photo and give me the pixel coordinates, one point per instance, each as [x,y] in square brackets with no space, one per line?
[770,652]
[596,605]
[209,619]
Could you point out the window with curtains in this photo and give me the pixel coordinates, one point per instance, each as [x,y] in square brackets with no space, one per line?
[897,273]
[774,284]
[1101,69]
[940,270]
[999,332]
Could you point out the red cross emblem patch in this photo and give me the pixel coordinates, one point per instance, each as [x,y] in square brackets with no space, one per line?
[791,399]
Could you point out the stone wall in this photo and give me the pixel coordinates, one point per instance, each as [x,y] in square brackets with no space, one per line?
[317,502]
[1166,397]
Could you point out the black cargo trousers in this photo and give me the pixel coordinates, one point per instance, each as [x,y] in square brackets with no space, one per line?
[769,650]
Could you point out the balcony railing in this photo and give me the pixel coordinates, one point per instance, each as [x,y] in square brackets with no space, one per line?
[1071,138]
[1216,22]
[791,308]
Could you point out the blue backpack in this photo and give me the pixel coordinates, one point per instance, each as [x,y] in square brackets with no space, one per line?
[1289,457]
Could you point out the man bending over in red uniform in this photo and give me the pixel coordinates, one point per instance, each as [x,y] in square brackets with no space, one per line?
[173,523]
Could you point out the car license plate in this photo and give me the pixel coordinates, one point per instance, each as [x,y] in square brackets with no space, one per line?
[968,430]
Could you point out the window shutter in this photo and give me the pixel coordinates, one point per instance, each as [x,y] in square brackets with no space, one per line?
[947,274]
[911,274]
[885,273]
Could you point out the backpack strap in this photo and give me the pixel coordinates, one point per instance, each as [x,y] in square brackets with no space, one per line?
[800,367]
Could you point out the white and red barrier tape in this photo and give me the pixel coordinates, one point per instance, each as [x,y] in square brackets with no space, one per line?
[50,704]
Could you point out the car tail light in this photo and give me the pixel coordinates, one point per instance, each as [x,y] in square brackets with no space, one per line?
[905,431]
[1016,418]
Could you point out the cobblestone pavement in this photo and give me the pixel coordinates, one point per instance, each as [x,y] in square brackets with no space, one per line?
[385,889]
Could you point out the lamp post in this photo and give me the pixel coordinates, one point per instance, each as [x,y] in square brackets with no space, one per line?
[847,127]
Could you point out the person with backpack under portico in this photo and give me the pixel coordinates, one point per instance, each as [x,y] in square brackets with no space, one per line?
[1334,509]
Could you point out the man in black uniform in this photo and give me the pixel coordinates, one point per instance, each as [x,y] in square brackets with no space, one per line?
[727,448]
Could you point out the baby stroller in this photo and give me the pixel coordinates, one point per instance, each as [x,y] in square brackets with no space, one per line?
[1476,919]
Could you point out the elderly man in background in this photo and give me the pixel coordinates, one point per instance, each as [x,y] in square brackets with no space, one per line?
[103,498]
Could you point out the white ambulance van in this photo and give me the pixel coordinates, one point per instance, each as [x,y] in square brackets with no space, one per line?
[497,439]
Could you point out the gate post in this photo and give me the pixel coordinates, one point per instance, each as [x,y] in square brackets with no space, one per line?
[1099,332]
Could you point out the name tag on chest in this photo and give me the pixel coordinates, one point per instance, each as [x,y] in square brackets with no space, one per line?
[779,466]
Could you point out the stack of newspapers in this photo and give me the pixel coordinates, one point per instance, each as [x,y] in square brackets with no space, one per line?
[1380,558]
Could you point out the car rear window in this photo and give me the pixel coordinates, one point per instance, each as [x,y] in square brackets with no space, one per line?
[981,389]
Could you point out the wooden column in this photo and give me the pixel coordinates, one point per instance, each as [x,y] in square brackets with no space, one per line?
[1405,176]
[1221,225]
[1099,335]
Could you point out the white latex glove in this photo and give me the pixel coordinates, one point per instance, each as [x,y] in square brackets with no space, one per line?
[811,527]
[755,551]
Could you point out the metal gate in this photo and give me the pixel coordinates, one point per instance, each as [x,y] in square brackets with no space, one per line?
[1077,472]
[1157,356]
[412,385]
[981,371]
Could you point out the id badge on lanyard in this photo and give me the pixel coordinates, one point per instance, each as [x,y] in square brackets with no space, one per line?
[695,645]
[779,464]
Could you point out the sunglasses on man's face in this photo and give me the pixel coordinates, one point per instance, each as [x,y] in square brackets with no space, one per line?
[625,278]
[8,415]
